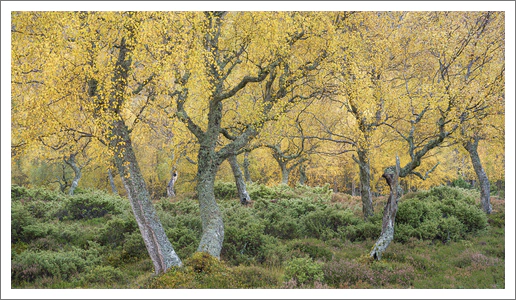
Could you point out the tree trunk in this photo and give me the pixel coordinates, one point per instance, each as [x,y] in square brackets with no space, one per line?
[391,176]
[284,173]
[64,185]
[485,199]
[112,182]
[159,247]
[211,217]
[77,171]
[239,180]
[302,174]
[365,184]
[170,187]
[247,174]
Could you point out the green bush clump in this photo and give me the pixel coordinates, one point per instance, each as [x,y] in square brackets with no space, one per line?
[184,207]
[451,193]
[314,248]
[104,276]
[243,235]
[443,213]
[261,191]
[326,223]
[277,219]
[113,234]
[274,252]
[19,193]
[304,270]
[39,203]
[29,265]
[92,205]
[370,229]
[225,190]
[461,183]
[184,240]
[134,246]
[200,271]
[20,218]
[248,277]
[497,219]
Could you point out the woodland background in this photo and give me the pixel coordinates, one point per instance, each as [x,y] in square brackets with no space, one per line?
[327,113]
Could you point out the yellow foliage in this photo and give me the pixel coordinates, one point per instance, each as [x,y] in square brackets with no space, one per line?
[371,75]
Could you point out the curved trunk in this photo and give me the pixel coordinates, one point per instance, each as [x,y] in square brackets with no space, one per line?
[170,186]
[77,171]
[391,176]
[239,180]
[159,247]
[284,173]
[365,184]
[211,217]
[485,197]
[112,182]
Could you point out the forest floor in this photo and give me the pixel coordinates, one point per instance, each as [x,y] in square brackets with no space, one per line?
[288,238]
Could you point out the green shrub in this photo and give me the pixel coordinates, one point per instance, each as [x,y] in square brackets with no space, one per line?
[304,270]
[327,223]
[20,218]
[202,262]
[113,234]
[450,193]
[225,190]
[92,205]
[286,228]
[104,276]
[314,248]
[274,252]
[185,207]
[497,219]
[184,240]
[174,278]
[30,265]
[248,277]
[34,231]
[260,191]
[443,213]
[243,239]
[370,229]
[450,229]
[134,246]
[461,183]
[18,192]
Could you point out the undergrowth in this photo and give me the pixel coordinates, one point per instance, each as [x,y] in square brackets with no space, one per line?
[297,237]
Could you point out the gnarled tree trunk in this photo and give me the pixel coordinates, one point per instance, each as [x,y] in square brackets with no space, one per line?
[239,180]
[159,247]
[77,171]
[391,175]
[211,217]
[170,187]
[485,197]
[285,173]
[365,184]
